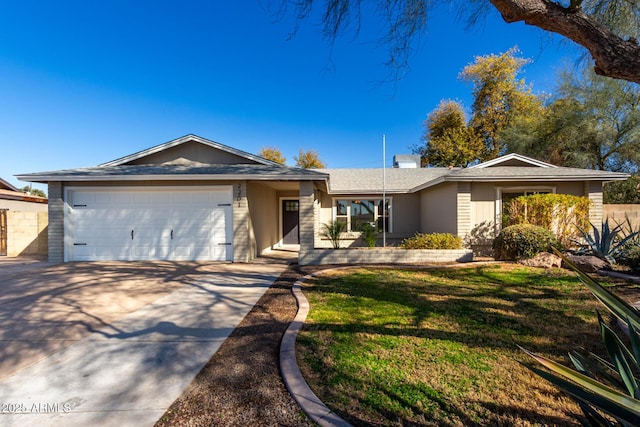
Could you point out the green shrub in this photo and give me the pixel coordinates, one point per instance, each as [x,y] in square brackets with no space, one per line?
[432,241]
[523,241]
[631,256]
[369,234]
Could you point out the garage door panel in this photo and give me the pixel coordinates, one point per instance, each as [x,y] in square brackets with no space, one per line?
[172,224]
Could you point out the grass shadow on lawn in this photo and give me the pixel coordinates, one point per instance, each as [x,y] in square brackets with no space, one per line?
[438,347]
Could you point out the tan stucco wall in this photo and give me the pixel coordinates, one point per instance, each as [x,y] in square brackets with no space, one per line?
[484,198]
[263,210]
[438,209]
[27,233]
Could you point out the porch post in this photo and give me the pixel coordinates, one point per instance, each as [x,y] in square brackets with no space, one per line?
[593,190]
[307,218]
[56,222]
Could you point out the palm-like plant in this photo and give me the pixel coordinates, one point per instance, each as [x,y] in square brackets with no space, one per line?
[332,231]
[606,243]
[607,391]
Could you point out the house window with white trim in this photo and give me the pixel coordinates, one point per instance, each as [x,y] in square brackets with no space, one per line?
[355,213]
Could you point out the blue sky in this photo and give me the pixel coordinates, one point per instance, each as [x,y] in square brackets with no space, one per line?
[85,82]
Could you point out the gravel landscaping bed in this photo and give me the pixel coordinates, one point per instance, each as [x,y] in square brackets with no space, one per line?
[241,384]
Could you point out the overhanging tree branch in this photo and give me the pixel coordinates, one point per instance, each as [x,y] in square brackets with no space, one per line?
[613,56]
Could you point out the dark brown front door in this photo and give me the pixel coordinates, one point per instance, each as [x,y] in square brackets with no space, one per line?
[290,221]
[3,232]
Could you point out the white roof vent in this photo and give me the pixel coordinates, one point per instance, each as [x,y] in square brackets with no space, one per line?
[411,161]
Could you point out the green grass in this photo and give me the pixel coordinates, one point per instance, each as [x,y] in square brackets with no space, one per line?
[439,347]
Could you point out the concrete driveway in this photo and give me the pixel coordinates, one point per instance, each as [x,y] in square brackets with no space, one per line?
[114,344]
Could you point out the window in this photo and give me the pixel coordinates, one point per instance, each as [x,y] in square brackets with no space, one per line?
[358,212]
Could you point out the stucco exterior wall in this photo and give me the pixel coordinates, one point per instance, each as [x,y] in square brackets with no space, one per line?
[438,209]
[263,210]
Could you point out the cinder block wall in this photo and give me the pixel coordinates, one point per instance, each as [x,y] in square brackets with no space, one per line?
[618,214]
[27,233]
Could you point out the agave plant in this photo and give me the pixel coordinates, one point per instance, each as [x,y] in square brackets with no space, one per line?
[332,231]
[606,391]
[606,243]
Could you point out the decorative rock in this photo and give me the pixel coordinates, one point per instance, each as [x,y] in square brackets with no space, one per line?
[588,263]
[543,260]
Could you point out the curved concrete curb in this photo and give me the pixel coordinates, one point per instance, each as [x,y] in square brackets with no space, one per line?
[293,379]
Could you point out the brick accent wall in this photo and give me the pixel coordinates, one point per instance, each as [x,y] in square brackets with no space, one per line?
[241,223]
[309,215]
[593,189]
[56,222]
[464,208]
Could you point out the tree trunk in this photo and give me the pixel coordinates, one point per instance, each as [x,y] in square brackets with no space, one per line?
[613,56]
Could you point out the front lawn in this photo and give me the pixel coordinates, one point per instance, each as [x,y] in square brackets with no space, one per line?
[439,347]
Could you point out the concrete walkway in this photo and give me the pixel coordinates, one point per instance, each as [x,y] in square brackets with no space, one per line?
[129,372]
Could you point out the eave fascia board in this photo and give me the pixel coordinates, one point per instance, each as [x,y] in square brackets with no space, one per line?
[540,179]
[169,177]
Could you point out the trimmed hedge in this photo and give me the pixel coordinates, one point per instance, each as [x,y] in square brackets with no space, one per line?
[523,241]
[432,241]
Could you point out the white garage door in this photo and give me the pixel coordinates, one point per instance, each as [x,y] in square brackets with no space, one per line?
[146,223]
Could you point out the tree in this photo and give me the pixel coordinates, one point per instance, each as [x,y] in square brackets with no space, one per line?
[607,29]
[499,98]
[308,160]
[592,122]
[622,191]
[448,141]
[33,191]
[272,153]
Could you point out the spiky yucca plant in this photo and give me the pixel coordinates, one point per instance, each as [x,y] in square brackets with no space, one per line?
[606,243]
[607,391]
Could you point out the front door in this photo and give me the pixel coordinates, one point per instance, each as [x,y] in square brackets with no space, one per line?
[3,232]
[290,222]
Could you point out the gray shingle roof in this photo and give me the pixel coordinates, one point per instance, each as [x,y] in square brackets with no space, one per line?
[210,172]
[357,181]
[370,180]
[532,173]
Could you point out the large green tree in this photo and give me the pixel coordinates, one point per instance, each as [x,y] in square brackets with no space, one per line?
[447,140]
[592,122]
[500,100]
[607,29]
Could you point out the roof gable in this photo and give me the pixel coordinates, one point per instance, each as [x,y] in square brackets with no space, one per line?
[513,159]
[4,185]
[190,150]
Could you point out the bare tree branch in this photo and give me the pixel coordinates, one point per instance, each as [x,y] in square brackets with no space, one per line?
[613,56]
